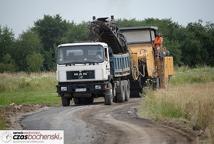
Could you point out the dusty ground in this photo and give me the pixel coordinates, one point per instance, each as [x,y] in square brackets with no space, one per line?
[116,124]
[13,113]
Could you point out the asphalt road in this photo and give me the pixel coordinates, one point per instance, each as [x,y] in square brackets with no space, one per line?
[101,124]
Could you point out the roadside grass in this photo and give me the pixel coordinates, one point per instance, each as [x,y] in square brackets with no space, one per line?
[189,96]
[186,75]
[29,97]
[27,88]
[11,82]
[24,88]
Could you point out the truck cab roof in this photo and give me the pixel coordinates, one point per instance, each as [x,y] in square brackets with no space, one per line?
[139,28]
[139,35]
[83,43]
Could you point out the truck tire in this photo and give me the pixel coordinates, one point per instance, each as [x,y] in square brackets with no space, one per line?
[65,101]
[127,90]
[135,88]
[121,92]
[114,93]
[109,96]
[108,99]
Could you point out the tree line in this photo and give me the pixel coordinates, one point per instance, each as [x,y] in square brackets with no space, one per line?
[35,49]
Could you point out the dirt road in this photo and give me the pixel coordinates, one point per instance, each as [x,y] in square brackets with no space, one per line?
[100,124]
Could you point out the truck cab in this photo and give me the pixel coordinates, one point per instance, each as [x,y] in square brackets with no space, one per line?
[83,71]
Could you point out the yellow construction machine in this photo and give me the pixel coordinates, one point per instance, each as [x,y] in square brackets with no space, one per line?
[146,66]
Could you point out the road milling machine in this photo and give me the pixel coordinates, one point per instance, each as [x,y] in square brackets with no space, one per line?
[147,65]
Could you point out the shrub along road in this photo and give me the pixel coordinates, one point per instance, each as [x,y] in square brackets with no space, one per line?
[98,123]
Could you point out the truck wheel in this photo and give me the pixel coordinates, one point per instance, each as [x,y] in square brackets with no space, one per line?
[108,99]
[109,96]
[114,94]
[121,92]
[127,90]
[135,88]
[65,101]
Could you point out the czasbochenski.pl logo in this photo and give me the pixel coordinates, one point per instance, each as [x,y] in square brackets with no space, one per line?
[6,137]
[32,136]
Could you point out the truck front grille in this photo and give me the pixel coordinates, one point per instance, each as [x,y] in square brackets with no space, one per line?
[75,75]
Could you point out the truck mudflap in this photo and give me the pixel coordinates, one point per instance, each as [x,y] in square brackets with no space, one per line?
[83,89]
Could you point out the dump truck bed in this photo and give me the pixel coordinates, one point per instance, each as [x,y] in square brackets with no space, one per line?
[120,64]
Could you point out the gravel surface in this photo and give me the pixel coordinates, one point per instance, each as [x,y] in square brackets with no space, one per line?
[98,123]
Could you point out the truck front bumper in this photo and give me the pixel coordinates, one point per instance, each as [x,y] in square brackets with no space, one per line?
[92,88]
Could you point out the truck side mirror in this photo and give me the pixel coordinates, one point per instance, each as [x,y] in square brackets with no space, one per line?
[106,54]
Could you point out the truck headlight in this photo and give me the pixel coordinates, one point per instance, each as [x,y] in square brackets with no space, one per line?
[97,86]
[63,88]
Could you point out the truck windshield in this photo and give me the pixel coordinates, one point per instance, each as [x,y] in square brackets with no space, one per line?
[139,36]
[80,54]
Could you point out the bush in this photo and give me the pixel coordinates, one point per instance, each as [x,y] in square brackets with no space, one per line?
[34,62]
[7,67]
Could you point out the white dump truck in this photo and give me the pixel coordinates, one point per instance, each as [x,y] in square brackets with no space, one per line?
[89,70]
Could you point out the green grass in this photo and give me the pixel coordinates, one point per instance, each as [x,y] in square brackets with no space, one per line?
[29,97]
[158,107]
[23,88]
[186,75]
[27,82]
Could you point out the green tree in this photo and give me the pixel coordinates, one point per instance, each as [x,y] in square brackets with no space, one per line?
[51,30]
[34,62]
[7,59]
[196,44]
[6,41]
[76,33]
[49,60]
[191,52]
[7,64]
[28,43]
[6,49]
[210,43]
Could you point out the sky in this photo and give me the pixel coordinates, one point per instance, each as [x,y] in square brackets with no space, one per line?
[19,15]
